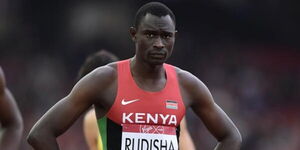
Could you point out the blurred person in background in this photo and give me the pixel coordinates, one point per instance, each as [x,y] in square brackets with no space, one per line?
[11,124]
[90,128]
[139,93]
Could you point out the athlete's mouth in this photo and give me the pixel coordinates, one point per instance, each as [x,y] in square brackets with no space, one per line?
[157,55]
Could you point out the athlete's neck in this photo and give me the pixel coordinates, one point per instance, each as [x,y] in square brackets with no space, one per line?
[145,70]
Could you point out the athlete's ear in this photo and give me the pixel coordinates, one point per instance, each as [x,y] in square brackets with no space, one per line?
[175,33]
[132,32]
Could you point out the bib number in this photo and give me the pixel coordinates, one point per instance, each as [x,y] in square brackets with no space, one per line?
[148,137]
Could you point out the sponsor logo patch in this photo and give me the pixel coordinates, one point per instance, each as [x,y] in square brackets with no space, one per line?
[126,102]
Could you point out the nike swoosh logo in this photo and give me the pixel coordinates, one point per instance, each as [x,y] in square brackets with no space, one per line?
[124,102]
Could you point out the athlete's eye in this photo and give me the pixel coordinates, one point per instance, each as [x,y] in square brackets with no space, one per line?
[149,35]
[166,36]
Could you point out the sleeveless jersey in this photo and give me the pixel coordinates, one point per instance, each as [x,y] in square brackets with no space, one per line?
[140,119]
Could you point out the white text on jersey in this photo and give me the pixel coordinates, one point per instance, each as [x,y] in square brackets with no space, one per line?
[149,118]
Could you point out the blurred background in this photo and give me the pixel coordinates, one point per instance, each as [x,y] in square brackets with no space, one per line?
[245,51]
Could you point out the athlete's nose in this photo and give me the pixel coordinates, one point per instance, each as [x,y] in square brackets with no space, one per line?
[158,43]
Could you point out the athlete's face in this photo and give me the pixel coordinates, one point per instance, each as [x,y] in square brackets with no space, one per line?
[154,39]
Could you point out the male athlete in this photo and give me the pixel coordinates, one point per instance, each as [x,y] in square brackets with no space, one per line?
[139,102]
[90,128]
[11,125]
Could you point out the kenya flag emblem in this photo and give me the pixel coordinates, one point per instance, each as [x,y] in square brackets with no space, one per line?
[171,104]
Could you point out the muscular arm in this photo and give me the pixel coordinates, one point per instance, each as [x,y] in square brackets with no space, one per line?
[63,114]
[90,130]
[185,140]
[10,118]
[214,118]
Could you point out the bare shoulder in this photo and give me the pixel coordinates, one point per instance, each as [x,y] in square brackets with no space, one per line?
[187,79]
[95,82]
[103,75]
[192,88]
[107,71]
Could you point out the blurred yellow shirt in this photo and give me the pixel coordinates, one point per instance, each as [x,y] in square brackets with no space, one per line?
[99,143]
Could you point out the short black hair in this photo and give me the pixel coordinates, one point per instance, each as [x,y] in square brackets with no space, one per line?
[96,60]
[154,8]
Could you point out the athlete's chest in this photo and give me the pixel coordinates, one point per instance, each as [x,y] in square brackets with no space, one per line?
[164,110]
[136,105]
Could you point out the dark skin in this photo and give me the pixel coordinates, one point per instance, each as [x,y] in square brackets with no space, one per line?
[154,40]
[10,118]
